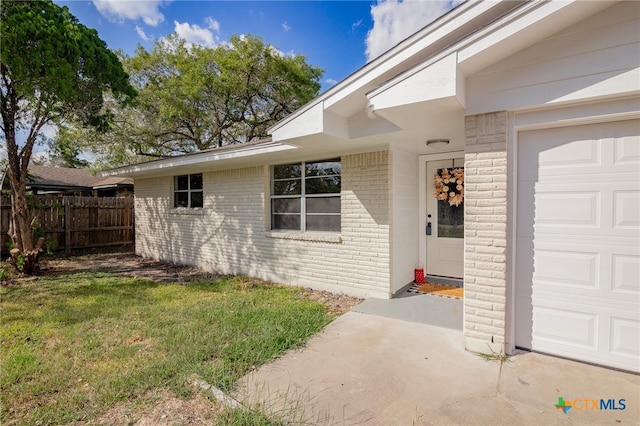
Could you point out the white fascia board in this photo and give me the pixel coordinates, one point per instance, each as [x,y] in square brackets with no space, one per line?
[436,79]
[429,71]
[198,159]
[308,122]
[406,49]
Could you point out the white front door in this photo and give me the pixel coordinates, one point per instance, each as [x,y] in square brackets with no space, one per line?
[445,222]
[578,259]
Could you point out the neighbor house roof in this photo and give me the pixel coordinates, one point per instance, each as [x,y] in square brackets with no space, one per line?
[48,178]
[59,177]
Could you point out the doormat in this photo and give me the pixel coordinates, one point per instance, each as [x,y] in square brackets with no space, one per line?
[438,290]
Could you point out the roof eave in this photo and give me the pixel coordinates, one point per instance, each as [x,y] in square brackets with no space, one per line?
[397,50]
[199,158]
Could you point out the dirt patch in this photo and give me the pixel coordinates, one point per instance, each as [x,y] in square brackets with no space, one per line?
[161,408]
[337,304]
[130,265]
[127,264]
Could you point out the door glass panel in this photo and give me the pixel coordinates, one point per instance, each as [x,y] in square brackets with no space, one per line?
[450,220]
[450,195]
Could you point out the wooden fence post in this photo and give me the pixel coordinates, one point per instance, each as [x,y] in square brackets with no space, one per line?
[67,225]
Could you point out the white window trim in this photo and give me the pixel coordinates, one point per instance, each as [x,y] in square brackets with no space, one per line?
[189,191]
[303,205]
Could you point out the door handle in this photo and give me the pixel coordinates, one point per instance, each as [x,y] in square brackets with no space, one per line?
[428,228]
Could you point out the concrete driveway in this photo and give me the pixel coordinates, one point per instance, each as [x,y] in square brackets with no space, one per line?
[368,369]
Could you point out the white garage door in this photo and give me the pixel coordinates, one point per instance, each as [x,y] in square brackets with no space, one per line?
[578,235]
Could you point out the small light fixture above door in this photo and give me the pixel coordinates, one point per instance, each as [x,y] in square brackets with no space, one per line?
[437,143]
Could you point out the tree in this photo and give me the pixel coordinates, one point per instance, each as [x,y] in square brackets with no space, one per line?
[193,98]
[64,152]
[52,69]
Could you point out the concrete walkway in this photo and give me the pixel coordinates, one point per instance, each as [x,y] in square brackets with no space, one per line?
[373,370]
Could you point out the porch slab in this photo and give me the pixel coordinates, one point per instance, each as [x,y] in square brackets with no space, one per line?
[418,308]
[369,369]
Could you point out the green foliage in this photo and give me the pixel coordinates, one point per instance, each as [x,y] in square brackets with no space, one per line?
[20,262]
[65,152]
[75,345]
[50,246]
[55,65]
[4,271]
[246,417]
[193,98]
[38,230]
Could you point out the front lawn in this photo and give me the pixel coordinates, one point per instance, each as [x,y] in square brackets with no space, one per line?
[74,346]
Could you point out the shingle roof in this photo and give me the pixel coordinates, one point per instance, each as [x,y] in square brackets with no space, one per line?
[46,176]
[60,176]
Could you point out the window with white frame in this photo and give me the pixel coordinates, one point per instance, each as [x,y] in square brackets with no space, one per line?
[187,191]
[306,196]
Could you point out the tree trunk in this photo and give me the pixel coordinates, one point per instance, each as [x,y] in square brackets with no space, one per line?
[26,259]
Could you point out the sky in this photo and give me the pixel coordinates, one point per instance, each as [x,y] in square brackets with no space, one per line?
[337,36]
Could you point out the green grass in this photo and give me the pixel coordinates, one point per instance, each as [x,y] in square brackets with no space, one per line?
[73,346]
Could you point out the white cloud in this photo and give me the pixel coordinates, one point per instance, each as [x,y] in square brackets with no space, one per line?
[195,34]
[395,20]
[142,34]
[286,27]
[119,10]
[212,24]
[330,81]
[355,25]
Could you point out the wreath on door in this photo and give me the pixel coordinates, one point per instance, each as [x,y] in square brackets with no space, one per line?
[449,186]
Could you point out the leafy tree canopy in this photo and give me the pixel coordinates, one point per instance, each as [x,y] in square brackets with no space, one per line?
[193,98]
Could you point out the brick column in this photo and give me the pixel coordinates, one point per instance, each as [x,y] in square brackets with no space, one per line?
[485,242]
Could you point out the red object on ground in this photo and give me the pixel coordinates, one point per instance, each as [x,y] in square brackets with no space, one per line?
[419,275]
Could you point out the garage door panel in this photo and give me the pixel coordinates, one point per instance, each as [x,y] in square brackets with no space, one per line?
[626,205]
[626,147]
[626,275]
[566,268]
[552,209]
[556,150]
[564,326]
[572,329]
[625,338]
[578,253]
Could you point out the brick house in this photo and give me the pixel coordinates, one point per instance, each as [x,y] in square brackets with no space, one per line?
[538,103]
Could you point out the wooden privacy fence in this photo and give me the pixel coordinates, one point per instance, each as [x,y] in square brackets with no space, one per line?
[74,222]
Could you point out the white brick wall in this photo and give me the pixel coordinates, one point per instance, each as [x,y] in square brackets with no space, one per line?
[230,234]
[485,221]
